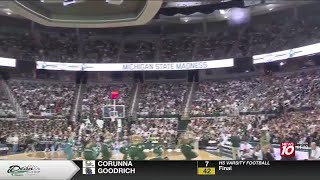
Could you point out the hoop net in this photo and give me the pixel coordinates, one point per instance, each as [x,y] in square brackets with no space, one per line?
[113,118]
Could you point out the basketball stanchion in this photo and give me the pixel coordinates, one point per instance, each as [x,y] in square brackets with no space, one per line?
[114,118]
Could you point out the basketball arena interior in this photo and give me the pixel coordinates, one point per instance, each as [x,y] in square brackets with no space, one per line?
[158,79]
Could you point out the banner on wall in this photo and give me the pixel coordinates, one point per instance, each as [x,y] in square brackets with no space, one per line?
[135,66]
[174,66]
[286,54]
[7,62]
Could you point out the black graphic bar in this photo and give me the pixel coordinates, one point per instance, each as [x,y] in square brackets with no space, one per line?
[200,169]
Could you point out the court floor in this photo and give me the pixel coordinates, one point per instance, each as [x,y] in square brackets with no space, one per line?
[202,155]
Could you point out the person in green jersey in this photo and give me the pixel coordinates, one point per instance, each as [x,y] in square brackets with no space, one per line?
[106,149]
[235,145]
[125,151]
[187,152]
[186,147]
[68,148]
[158,150]
[91,151]
[135,151]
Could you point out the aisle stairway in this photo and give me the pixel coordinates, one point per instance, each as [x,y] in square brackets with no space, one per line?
[188,101]
[78,101]
[182,125]
[7,91]
[134,101]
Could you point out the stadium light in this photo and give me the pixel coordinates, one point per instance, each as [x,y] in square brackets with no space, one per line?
[270,7]
[68,2]
[223,12]
[7,11]
[114,2]
[185,19]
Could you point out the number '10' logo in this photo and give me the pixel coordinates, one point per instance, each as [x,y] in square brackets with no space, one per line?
[287,149]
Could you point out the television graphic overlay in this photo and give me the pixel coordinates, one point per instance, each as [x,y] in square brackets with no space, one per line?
[88,167]
[287,149]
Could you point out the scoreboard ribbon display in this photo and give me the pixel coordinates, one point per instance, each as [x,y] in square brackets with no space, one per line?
[206,168]
[101,169]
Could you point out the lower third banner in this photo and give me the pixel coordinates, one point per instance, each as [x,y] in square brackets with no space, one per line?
[101,169]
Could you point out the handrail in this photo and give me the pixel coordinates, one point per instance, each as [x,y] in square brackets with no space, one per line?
[185,112]
[134,99]
[75,111]
[12,99]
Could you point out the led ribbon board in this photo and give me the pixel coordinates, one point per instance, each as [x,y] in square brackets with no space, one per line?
[174,66]
[286,54]
[7,62]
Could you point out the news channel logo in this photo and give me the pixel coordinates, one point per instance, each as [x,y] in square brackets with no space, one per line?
[89,167]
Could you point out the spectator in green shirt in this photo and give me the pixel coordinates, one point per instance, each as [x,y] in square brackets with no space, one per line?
[235,145]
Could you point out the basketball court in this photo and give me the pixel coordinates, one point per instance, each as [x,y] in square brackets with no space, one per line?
[202,155]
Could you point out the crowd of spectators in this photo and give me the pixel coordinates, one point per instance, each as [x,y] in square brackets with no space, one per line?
[98,50]
[18,134]
[266,33]
[297,127]
[139,51]
[58,47]
[43,99]
[221,97]
[302,31]
[15,45]
[162,98]
[279,92]
[179,48]
[50,135]
[299,90]
[295,94]
[219,129]
[257,37]
[160,129]
[217,46]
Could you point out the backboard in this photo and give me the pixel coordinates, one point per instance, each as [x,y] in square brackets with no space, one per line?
[117,111]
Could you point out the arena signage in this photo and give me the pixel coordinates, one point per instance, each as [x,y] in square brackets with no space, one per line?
[286,54]
[135,66]
[7,62]
[271,57]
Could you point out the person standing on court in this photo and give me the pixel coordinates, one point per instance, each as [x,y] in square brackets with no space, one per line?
[15,143]
[235,145]
[264,138]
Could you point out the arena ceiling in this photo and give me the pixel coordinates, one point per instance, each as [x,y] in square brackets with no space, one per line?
[100,14]
[223,14]
[85,13]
